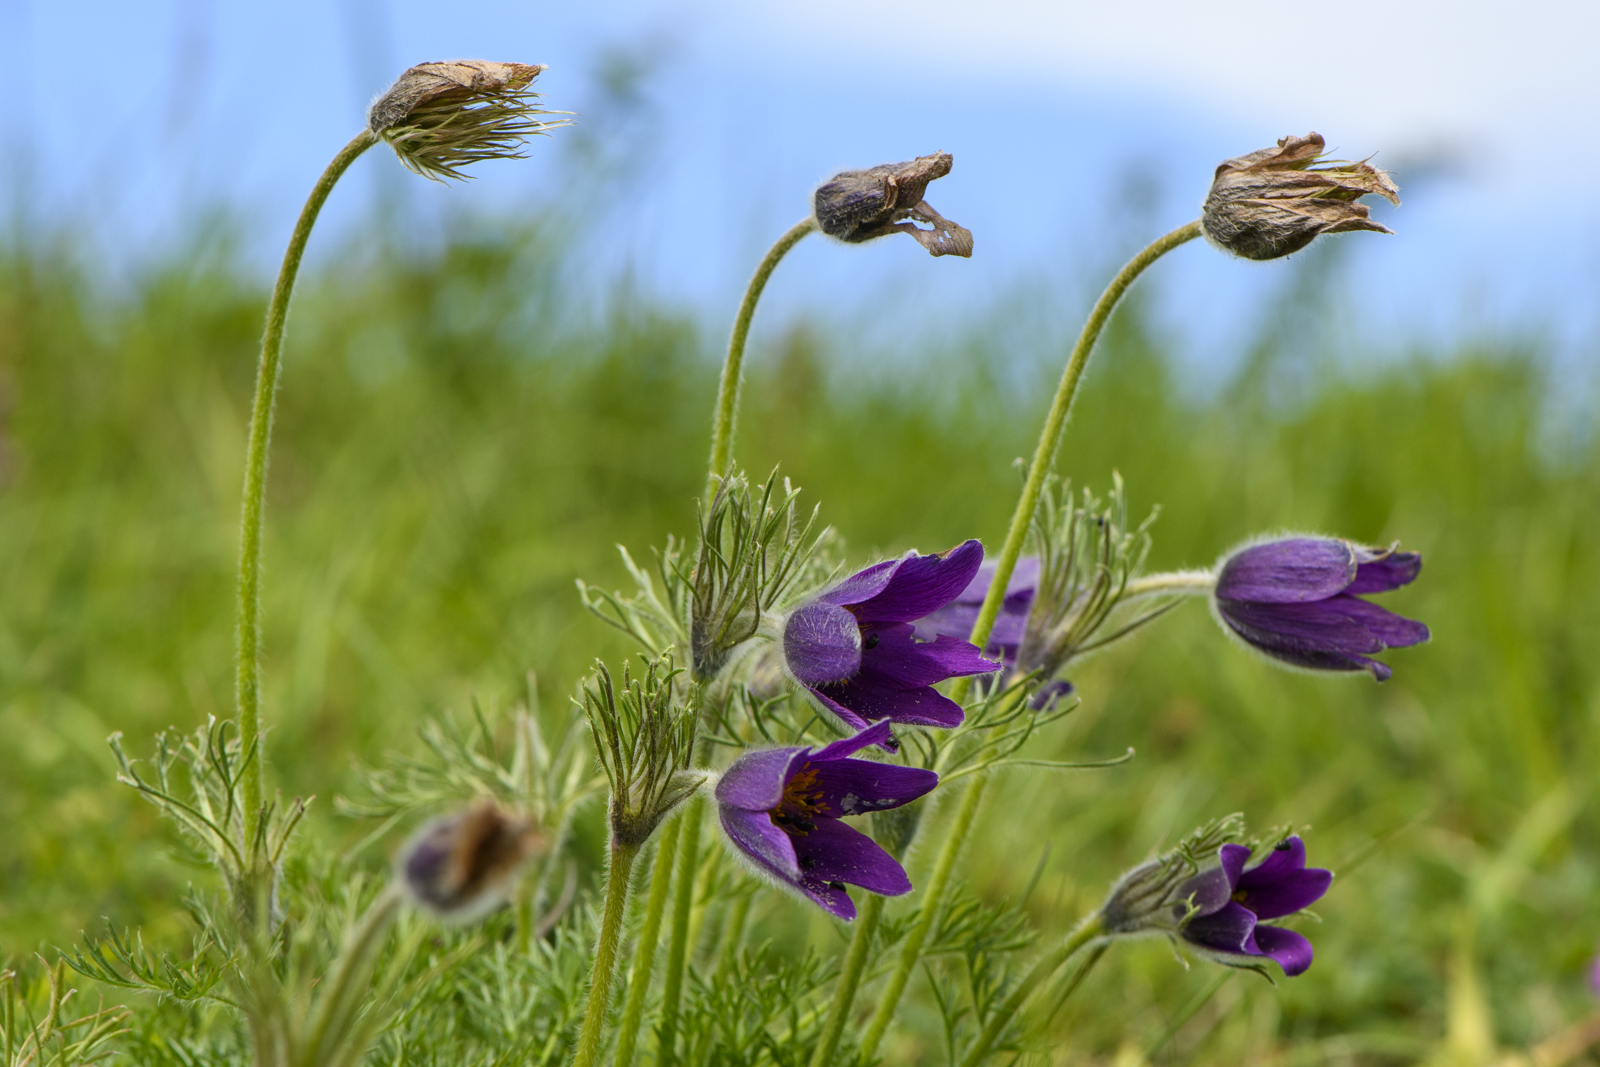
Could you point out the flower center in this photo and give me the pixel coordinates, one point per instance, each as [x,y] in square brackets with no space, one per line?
[802,802]
[1239,895]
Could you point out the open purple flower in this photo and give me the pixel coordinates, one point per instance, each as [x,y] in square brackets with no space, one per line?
[855,649]
[955,619]
[1298,600]
[1232,906]
[782,808]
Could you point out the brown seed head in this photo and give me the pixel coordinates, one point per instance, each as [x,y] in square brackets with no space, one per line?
[461,866]
[859,205]
[1273,202]
[439,117]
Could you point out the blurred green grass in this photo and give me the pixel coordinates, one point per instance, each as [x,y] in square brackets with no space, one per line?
[454,448]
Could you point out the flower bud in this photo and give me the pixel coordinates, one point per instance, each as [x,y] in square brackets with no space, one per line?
[644,735]
[460,867]
[439,117]
[1273,202]
[858,205]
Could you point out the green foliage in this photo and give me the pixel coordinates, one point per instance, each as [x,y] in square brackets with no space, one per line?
[455,449]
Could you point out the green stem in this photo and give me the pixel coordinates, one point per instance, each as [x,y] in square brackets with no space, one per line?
[1086,932]
[248,655]
[1172,583]
[605,954]
[344,989]
[1054,425]
[722,426]
[644,957]
[733,933]
[1043,458]
[932,896]
[682,904]
[855,961]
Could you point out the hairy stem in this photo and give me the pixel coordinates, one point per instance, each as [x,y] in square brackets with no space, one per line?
[855,961]
[644,956]
[605,954]
[1055,424]
[1051,962]
[1171,583]
[248,654]
[682,904]
[1043,458]
[932,896]
[723,424]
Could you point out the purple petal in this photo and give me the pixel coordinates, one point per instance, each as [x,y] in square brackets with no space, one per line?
[1395,631]
[1293,571]
[896,660]
[857,786]
[862,585]
[1024,580]
[1227,930]
[955,620]
[1299,628]
[1282,884]
[918,707]
[1291,950]
[1210,891]
[756,779]
[847,746]
[834,852]
[834,901]
[846,716]
[921,584]
[1380,573]
[1233,858]
[822,643]
[766,844]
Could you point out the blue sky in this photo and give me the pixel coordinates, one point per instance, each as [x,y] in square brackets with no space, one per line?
[1078,130]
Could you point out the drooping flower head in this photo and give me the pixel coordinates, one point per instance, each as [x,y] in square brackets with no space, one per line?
[460,867]
[1231,906]
[1298,600]
[858,205]
[1274,201]
[855,649]
[783,807]
[441,117]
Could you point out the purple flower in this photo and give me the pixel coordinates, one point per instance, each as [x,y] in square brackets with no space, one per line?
[855,649]
[1233,903]
[782,808]
[1299,601]
[955,619]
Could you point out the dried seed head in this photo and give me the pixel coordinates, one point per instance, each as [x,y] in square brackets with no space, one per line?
[1274,202]
[439,117]
[859,205]
[461,866]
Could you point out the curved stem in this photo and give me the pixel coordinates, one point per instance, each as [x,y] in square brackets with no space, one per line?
[1086,932]
[1171,583]
[722,426]
[1055,424]
[677,952]
[1043,457]
[855,961]
[932,898]
[248,666]
[605,954]
[645,955]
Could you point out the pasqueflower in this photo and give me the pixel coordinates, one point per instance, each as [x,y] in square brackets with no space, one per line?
[783,809]
[855,649]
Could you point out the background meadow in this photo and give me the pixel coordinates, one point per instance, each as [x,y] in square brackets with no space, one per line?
[453,451]
[483,397]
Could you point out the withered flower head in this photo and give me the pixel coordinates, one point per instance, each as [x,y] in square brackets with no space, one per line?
[1274,202]
[859,205]
[439,117]
[460,867]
